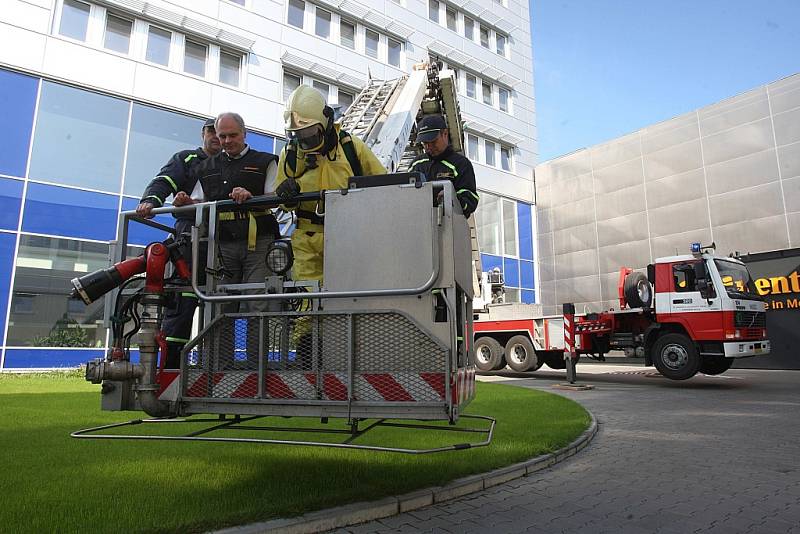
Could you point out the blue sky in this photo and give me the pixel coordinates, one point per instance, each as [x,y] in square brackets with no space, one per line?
[604,68]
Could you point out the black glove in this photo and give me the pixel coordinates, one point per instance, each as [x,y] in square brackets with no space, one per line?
[468,201]
[288,189]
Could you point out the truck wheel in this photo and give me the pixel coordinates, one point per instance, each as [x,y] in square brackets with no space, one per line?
[676,357]
[488,354]
[554,359]
[715,365]
[520,355]
[637,291]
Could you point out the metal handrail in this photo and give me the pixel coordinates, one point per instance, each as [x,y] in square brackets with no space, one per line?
[319,294]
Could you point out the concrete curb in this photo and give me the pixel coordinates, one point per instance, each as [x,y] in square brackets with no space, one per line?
[353,514]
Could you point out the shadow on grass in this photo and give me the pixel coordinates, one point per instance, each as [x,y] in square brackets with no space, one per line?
[51,482]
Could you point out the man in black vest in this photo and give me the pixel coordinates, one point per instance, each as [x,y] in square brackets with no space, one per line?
[441,162]
[239,173]
[174,177]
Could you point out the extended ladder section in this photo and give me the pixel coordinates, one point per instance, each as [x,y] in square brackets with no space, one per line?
[385,113]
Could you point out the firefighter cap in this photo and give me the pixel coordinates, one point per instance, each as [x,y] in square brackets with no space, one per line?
[305,107]
[208,124]
[429,126]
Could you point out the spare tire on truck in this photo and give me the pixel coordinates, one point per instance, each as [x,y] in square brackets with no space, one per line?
[488,354]
[637,290]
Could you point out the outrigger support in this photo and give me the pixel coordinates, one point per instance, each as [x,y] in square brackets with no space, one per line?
[238,423]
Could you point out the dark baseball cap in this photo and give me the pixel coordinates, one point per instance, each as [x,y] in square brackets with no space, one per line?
[209,123]
[429,127]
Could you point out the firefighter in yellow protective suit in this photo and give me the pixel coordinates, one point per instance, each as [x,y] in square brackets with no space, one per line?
[318,156]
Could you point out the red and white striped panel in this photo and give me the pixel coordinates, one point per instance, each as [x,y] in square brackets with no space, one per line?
[462,385]
[170,385]
[569,345]
[394,387]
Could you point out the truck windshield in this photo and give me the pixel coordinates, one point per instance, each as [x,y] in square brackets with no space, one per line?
[736,279]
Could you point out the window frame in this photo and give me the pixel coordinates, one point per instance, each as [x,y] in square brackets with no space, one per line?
[497,36]
[317,11]
[207,48]
[304,11]
[447,10]
[464,32]
[488,44]
[169,49]
[438,5]
[510,158]
[346,21]
[486,143]
[500,92]
[289,73]
[377,55]
[475,79]
[131,29]
[476,156]
[239,69]
[89,16]
[484,85]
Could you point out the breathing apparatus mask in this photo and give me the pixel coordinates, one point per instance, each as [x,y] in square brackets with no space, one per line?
[315,140]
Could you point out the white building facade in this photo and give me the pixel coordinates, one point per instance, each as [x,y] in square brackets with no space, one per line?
[97,94]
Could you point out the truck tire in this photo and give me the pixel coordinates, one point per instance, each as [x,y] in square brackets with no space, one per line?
[637,290]
[520,355]
[553,358]
[488,354]
[715,365]
[676,357]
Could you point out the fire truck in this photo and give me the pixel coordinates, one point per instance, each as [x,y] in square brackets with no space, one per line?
[691,313]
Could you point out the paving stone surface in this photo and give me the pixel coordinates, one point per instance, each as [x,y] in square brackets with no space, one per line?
[708,455]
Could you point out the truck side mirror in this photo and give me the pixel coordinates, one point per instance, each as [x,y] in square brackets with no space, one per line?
[703,282]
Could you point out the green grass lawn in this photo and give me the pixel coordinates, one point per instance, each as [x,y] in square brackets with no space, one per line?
[51,482]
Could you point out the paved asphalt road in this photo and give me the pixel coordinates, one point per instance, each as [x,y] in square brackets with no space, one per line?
[711,454]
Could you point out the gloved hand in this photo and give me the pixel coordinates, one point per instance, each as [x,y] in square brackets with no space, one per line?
[288,189]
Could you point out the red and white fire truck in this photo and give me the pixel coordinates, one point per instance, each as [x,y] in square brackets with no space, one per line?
[688,314]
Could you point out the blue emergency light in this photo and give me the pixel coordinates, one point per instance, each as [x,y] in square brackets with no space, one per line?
[695,248]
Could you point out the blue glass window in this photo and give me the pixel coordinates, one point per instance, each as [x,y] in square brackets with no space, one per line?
[70,212]
[10,199]
[528,297]
[511,272]
[17,100]
[42,313]
[156,135]
[139,234]
[264,143]
[79,139]
[7,244]
[525,224]
[526,275]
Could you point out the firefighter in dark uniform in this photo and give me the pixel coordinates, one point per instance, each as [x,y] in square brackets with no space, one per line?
[174,177]
[441,162]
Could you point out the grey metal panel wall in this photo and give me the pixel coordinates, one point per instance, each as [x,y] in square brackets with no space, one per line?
[728,172]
